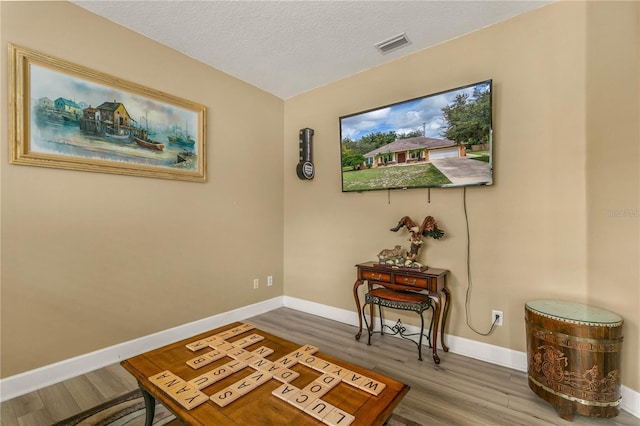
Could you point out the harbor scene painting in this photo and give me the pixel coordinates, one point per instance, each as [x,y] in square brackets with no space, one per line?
[79,117]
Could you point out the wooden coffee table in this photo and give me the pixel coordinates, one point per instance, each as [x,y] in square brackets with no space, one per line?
[277,383]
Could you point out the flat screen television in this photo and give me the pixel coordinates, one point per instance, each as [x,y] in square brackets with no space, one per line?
[439,140]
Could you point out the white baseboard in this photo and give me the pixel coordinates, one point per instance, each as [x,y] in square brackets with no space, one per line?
[630,401]
[33,380]
[39,378]
[459,345]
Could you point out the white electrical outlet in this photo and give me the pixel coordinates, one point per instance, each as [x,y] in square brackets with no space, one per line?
[497,314]
[256,283]
[269,280]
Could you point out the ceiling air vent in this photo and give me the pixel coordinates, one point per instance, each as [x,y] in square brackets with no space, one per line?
[393,43]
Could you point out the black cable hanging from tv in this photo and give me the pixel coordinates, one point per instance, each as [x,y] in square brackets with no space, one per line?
[466,301]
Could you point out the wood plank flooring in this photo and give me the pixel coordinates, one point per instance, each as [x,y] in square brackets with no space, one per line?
[459,391]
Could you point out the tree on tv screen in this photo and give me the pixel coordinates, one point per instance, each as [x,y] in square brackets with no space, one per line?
[469,118]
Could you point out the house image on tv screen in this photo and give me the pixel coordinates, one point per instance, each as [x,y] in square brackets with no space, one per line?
[413,150]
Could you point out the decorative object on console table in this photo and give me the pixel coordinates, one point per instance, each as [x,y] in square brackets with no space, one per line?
[429,228]
[394,256]
[431,281]
[574,357]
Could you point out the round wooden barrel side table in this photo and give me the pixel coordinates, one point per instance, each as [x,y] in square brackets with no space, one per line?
[574,357]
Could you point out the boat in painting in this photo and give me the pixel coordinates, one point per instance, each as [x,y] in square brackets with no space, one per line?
[149,143]
[180,138]
[185,140]
[141,136]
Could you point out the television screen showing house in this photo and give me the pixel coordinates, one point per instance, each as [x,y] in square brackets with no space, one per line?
[439,140]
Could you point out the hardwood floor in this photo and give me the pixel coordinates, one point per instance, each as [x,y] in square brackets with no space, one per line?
[459,391]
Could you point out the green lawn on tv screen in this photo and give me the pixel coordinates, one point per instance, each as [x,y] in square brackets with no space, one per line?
[393,177]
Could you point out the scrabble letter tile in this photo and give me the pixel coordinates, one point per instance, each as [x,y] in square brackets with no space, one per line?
[201,382]
[196,346]
[236,353]
[263,351]
[236,365]
[199,362]
[287,361]
[215,355]
[354,379]
[308,349]
[325,365]
[221,372]
[285,391]
[212,340]
[191,400]
[248,357]
[243,386]
[259,377]
[329,380]
[301,400]
[319,409]
[169,384]
[286,376]
[225,397]
[184,388]
[372,386]
[241,343]
[274,369]
[160,377]
[340,372]
[338,417]
[254,338]
[247,326]
[308,361]
[225,347]
[261,364]
[316,389]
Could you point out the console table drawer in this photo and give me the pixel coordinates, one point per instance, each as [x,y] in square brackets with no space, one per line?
[412,281]
[376,276]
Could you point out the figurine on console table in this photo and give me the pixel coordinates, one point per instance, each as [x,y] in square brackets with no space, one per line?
[429,228]
[395,256]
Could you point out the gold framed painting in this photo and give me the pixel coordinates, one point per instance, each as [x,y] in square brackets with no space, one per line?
[67,116]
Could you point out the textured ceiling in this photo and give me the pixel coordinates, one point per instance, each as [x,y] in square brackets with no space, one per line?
[289,47]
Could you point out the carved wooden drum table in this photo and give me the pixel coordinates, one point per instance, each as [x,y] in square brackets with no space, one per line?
[574,357]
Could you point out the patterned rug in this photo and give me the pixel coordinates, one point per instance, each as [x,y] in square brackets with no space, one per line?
[128,410]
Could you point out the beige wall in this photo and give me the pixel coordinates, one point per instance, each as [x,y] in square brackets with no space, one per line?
[91,260]
[566,148]
[613,160]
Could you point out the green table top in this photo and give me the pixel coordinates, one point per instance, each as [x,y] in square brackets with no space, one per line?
[574,311]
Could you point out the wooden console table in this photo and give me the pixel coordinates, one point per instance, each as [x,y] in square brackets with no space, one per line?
[432,281]
[574,357]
